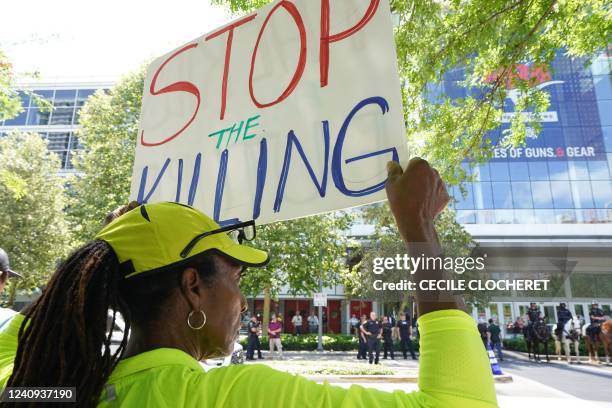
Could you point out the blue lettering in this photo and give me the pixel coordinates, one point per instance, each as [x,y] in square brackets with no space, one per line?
[337,155]
[293,140]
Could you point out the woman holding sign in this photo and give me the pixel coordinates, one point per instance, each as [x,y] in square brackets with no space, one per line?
[174,275]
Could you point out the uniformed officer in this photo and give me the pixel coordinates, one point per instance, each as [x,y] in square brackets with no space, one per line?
[373,331]
[363,347]
[405,331]
[253,329]
[533,314]
[563,316]
[597,318]
[387,330]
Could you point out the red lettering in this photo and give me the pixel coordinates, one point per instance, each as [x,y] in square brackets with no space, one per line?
[181,86]
[228,53]
[327,39]
[293,11]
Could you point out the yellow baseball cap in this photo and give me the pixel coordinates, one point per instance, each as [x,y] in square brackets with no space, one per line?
[154,236]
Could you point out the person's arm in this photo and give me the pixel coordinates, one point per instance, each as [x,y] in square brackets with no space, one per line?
[454,370]
[416,196]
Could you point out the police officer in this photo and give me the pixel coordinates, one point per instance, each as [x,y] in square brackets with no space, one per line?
[373,331]
[253,329]
[533,314]
[597,318]
[405,331]
[563,316]
[387,330]
[363,347]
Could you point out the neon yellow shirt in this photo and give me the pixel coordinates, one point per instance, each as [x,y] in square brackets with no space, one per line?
[454,372]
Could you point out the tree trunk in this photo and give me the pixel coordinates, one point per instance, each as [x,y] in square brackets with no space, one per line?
[406,302]
[266,312]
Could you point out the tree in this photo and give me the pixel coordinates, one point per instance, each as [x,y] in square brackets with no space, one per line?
[10,104]
[33,229]
[109,124]
[487,40]
[386,242]
[303,253]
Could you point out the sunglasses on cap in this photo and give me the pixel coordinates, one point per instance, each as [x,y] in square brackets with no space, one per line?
[245,231]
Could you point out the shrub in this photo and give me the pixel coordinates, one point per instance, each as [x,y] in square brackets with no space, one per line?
[308,342]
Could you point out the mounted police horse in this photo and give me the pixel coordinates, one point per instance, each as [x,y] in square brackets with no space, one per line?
[536,334]
[601,335]
[569,333]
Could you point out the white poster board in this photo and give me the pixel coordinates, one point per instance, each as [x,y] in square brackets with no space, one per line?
[320,299]
[288,112]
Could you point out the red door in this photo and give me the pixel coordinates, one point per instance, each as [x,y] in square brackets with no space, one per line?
[333,316]
[360,307]
[291,306]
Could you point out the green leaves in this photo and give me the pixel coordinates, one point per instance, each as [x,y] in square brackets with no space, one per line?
[109,126]
[33,229]
[10,104]
[302,251]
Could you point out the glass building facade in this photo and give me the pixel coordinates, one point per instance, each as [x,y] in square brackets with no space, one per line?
[58,124]
[561,176]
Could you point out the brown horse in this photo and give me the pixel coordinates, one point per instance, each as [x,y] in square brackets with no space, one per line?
[536,334]
[604,337]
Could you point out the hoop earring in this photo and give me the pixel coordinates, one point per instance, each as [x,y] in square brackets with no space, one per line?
[189,320]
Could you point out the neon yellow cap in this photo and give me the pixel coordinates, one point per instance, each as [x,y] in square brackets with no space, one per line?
[152,236]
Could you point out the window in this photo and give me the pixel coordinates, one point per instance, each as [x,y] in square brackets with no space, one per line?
[582,193]
[562,194]
[598,170]
[558,170]
[464,202]
[519,171]
[542,196]
[579,310]
[64,98]
[502,195]
[482,171]
[544,216]
[37,117]
[483,197]
[521,193]
[61,116]
[499,171]
[538,170]
[578,170]
[504,216]
[602,193]
[19,120]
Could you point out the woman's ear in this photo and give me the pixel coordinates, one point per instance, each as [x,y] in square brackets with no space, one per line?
[190,288]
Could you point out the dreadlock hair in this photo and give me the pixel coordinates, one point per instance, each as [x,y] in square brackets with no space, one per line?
[64,339]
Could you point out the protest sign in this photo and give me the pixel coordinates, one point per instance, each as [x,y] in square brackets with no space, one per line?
[291,111]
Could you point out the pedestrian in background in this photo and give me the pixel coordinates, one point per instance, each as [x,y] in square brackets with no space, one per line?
[363,348]
[495,338]
[274,329]
[387,331]
[354,322]
[5,273]
[254,330]
[313,323]
[405,331]
[297,323]
[373,331]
